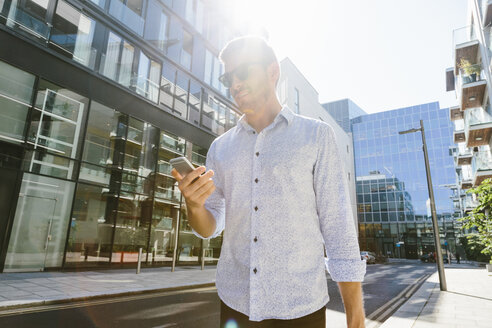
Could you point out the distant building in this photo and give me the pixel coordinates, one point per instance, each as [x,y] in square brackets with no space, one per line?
[299,95]
[391,180]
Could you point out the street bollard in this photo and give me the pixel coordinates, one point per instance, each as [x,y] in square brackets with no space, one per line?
[138,260]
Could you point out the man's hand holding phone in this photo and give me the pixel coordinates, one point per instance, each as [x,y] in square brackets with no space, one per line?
[196,186]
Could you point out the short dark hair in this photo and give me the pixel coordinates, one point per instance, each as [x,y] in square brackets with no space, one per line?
[250,45]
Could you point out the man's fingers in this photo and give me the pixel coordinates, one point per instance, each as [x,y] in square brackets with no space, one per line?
[176,175]
[206,193]
[200,182]
[192,175]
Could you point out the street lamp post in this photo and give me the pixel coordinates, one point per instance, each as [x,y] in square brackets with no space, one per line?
[437,239]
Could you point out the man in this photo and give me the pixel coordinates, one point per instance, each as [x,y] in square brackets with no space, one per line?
[277,187]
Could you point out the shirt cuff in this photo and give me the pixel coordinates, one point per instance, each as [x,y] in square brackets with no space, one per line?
[346,269]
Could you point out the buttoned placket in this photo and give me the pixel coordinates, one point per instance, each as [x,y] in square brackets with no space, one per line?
[255,281]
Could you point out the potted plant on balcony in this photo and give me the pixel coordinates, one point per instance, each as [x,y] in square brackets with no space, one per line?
[472,71]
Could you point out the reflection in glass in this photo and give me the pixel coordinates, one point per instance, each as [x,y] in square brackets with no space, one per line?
[15,83]
[105,130]
[73,32]
[91,227]
[29,16]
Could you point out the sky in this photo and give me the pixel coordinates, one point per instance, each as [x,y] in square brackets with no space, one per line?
[382,54]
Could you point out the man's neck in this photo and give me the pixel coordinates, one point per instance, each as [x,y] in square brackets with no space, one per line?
[263,116]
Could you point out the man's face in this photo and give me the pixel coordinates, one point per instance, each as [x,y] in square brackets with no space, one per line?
[250,85]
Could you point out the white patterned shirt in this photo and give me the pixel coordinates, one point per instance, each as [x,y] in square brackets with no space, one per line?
[280,195]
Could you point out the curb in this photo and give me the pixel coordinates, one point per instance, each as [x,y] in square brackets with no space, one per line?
[413,306]
[31,305]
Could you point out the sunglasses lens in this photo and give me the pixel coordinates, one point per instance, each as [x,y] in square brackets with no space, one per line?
[225,79]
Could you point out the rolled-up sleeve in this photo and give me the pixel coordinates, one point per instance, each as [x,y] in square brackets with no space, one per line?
[334,211]
[215,203]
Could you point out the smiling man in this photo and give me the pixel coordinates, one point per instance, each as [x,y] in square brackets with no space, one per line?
[276,187]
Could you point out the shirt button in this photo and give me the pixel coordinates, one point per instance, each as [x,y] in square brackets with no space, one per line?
[256,239]
[254,132]
[257,154]
[256,180]
[256,208]
[254,270]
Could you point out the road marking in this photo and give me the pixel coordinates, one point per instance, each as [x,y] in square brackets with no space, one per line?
[377,317]
[110,300]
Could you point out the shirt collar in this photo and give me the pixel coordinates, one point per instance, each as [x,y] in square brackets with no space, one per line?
[285,113]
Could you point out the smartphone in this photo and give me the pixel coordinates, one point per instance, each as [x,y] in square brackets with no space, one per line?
[182,165]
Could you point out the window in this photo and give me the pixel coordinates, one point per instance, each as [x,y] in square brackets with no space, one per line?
[163,32]
[296,100]
[16,87]
[209,66]
[146,82]
[73,34]
[187,50]
[129,12]
[194,14]
[56,121]
[104,128]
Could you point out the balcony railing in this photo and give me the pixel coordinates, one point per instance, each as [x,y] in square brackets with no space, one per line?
[464,156]
[459,131]
[21,19]
[469,203]
[169,194]
[481,166]
[127,16]
[198,158]
[174,144]
[465,45]
[478,127]
[145,87]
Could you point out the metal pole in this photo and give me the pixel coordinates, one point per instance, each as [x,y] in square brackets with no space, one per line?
[437,240]
[139,259]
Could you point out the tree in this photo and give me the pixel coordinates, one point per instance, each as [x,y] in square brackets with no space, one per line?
[480,218]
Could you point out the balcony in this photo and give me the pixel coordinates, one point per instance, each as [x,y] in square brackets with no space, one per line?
[478,127]
[470,85]
[459,132]
[466,184]
[466,46]
[481,167]
[469,203]
[455,113]
[464,157]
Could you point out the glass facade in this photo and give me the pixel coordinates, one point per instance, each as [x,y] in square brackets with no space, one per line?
[391,182]
[88,181]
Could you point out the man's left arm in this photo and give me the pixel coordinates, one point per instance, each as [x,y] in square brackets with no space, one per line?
[352,300]
[337,225]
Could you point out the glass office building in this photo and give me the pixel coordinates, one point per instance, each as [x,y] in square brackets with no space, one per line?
[391,183]
[95,98]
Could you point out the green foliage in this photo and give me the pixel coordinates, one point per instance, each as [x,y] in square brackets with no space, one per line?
[481,218]
[473,249]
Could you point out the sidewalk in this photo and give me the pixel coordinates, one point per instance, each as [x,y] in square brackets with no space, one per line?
[466,303]
[42,288]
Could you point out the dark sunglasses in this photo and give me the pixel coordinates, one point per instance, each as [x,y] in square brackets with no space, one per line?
[241,72]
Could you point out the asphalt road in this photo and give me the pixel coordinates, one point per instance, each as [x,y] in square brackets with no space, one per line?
[200,308]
